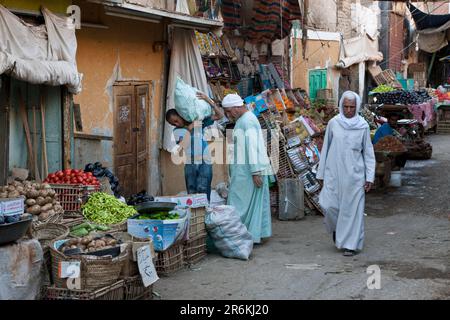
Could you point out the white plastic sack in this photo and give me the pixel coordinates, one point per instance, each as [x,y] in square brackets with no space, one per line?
[188,105]
[21,270]
[229,234]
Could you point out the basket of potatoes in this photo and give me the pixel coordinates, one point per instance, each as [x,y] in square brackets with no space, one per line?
[40,200]
[101,260]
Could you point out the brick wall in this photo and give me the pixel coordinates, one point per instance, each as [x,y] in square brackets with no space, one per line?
[396,41]
[344,18]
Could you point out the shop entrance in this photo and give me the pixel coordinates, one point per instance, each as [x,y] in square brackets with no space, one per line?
[131,134]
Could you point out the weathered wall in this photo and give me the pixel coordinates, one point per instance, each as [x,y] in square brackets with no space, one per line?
[322,15]
[124,51]
[318,58]
[344,18]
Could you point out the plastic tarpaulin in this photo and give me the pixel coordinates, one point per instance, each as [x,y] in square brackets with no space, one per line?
[186,63]
[39,54]
[359,49]
[433,30]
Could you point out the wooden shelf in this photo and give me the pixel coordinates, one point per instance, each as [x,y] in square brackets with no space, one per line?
[85,136]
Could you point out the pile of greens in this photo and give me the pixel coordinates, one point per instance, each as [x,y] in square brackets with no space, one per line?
[105,209]
[160,216]
[85,229]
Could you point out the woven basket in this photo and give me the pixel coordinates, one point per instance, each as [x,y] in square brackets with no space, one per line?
[135,289]
[46,233]
[116,291]
[96,272]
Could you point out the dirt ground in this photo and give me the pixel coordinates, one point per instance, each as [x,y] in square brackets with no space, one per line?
[407,236]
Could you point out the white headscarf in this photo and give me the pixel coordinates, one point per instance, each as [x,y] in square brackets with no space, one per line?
[355,123]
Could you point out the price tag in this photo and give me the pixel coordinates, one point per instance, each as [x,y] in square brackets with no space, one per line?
[69,270]
[146,266]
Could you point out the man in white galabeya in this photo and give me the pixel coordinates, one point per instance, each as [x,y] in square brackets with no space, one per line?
[249,170]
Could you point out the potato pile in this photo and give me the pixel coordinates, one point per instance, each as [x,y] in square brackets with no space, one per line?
[89,244]
[40,199]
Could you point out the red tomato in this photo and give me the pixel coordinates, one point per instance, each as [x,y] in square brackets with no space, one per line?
[52,176]
[89,174]
[67,172]
[60,174]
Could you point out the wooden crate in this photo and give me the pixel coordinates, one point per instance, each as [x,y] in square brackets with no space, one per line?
[170,261]
[197,222]
[443,127]
[387,77]
[194,250]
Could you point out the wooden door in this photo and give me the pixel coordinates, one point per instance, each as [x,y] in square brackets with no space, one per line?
[131,104]
[317,81]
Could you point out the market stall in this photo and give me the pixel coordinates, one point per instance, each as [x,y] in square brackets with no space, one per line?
[85,242]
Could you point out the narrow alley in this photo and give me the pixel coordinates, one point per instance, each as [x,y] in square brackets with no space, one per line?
[407,236]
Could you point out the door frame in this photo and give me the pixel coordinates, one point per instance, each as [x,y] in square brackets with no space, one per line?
[150,84]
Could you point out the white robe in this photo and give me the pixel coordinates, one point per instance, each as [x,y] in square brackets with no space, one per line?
[347,163]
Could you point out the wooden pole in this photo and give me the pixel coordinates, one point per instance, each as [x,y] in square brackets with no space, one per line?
[35,147]
[44,139]
[23,114]
[66,129]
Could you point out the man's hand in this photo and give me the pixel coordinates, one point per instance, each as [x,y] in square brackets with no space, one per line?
[203,96]
[257,180]
[368,186]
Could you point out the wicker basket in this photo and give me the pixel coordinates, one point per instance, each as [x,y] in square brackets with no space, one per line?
[197,222]
[95,273]
[115,291]
[194,250]
[135,289]
[71,196]
[170,261]
[46,233]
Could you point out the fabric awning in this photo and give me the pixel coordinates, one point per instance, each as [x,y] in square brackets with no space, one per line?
[433,30]
[43,54]
[359,49]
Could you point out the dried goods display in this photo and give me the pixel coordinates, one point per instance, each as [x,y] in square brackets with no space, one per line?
[390,144]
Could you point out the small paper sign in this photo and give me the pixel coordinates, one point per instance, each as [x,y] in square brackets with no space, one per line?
[69,270]
[146,266]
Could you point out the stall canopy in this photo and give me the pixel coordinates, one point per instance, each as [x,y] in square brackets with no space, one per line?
[359,49]
[433,30]
[42,54]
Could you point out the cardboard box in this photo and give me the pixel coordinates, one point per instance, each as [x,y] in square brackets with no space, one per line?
[163,233]
[189,201]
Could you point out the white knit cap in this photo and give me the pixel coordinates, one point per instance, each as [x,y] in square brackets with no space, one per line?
[232,101]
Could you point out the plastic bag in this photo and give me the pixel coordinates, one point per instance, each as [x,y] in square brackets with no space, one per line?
[188,105]
[229,234]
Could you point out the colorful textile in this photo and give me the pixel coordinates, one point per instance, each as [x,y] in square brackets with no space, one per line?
[269,16]
[231,12]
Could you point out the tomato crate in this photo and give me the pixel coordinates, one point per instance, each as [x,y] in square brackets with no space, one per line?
[71,196]
[135,289]
[194,250]
[170,261]
[115,291]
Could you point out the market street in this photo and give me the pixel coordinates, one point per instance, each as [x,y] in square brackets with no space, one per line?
[407,236]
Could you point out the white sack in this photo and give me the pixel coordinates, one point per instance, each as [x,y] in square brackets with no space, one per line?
[229,234]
